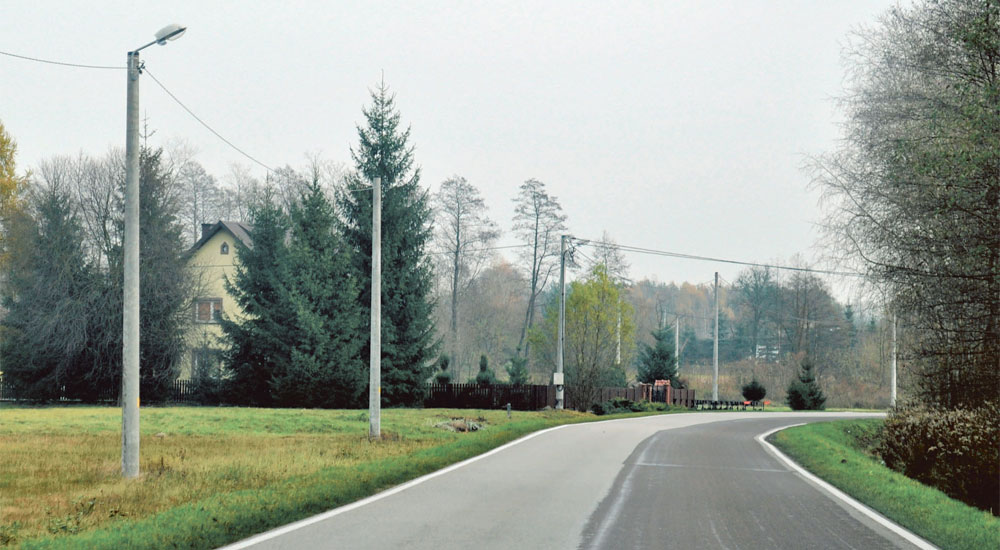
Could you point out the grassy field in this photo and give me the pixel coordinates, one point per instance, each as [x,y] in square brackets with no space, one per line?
[841,453]
[215,475]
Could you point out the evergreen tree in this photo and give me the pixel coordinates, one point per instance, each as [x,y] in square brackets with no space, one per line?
[407,326]
[657,362]
[804,393]
[443,376]
[754,390]
[48,298]
[325,367]
[517,370]
[260,345]
[485,375]
[165,289]
[82,304]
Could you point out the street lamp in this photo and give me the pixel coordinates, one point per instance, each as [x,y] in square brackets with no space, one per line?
[130,314]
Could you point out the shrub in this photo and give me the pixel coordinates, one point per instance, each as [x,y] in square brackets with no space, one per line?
[517,370]
[485,375]
[754,391]
[443,376]
[804,393]
[956,451]
[621,405]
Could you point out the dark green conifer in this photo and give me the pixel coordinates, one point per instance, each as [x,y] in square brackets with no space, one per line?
[408,343]
[657,362]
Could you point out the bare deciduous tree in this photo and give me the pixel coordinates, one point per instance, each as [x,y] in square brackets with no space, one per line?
[915,188]
[464,234]
[538,223]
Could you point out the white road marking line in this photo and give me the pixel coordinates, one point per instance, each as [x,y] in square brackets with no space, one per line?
[834,492]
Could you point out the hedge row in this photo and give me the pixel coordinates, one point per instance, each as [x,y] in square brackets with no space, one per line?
[957,451]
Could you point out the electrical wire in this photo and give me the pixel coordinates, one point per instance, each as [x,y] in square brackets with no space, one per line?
[654,252]
[62,63]
[203,123]
[487,249]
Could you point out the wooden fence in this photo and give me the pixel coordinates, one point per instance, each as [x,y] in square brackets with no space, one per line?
[486,396]
[535,397]
[180,391]
[456,396]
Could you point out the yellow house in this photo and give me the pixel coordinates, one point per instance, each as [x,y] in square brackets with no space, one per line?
[212,259]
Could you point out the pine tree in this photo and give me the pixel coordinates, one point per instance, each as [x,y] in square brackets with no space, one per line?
[407,327]
[804,393]
[325,367]
[657,362]
[259,344]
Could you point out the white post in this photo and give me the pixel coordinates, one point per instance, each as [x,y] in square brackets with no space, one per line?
[375,357]
[562,323]
[892,379]
[677,346]
[715,345]
[130,313]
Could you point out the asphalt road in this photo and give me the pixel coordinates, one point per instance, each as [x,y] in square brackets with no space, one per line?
[687,481]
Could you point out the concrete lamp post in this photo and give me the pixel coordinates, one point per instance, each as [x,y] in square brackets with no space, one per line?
[130,314]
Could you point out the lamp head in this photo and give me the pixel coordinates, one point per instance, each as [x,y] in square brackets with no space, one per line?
[170,32]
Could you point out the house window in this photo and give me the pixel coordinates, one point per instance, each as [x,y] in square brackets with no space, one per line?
[207,310]
[224,249]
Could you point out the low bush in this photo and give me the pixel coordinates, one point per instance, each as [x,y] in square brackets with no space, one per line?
[621,405]
[956,451]
[754,391]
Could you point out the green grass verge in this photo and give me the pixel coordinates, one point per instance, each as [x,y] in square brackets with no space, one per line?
[840,453]
[228,516]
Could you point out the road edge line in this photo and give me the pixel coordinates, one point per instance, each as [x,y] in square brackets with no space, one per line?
[834,492]
[305,522]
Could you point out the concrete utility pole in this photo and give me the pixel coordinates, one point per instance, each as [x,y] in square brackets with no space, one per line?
[677,345]
[892,377]
[130,300]
[558,378]
[130,315]
[375,357]
[715,345]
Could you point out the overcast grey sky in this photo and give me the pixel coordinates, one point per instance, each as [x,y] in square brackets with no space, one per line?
[681,126]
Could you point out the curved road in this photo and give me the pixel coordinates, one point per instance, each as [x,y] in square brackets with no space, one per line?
[697,480]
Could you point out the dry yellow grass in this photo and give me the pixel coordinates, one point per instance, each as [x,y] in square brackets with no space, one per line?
[61,465]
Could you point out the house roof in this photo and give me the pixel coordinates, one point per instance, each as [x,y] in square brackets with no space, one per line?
[239,230]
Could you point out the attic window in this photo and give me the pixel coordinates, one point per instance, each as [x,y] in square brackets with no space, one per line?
[224,249]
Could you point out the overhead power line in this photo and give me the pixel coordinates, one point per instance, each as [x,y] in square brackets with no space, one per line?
[654,252]
[205,124]
[62,63]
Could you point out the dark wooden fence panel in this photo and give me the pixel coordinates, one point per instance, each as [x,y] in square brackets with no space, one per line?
[486,396]
[180,391]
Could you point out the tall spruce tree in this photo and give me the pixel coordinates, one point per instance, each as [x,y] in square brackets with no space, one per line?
[260,344]
[408,343]
[325,367]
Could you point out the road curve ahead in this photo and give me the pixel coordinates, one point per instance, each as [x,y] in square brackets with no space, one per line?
[690,481]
